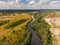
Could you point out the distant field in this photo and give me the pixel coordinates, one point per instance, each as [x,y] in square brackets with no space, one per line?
[12,29]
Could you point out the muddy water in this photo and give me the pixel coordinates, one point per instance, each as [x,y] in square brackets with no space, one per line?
[35,40]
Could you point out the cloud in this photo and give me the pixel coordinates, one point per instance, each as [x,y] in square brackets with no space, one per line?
[55,3]
[6,3]
[44,1]
[32,4]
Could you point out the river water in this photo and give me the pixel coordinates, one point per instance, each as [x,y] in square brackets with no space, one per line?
[35,40]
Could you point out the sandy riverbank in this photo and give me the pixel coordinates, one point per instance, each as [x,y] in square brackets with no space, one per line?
[55,28]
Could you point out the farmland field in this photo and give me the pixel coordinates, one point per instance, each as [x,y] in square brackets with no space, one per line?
[13,29]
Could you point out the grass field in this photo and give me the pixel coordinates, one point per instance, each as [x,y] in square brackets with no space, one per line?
[12,30]
[42,28]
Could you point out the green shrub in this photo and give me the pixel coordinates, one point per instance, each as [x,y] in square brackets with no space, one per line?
[41,27]
[15,23]
[25,39]
[2,22]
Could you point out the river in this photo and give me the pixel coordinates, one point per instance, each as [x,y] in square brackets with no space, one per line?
[35,40]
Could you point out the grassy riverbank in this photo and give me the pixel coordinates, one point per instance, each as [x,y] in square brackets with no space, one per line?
[41,27]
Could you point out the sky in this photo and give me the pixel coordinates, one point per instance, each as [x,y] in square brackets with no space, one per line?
[29,4]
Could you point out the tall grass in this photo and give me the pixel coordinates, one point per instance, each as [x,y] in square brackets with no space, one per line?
[41,27]
[15,23]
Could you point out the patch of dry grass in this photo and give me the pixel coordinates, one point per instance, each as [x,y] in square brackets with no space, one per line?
[11,35]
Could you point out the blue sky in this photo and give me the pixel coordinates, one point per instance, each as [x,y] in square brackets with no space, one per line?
[29,4]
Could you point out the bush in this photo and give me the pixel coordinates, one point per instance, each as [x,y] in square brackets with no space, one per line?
[25,39]
[2,22]
[15,23]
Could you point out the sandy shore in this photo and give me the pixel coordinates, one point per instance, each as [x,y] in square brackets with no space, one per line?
[55,29]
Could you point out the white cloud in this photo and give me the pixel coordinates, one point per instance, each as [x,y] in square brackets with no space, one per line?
[6,3]
[55,4]
[31,4]
[44,1]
